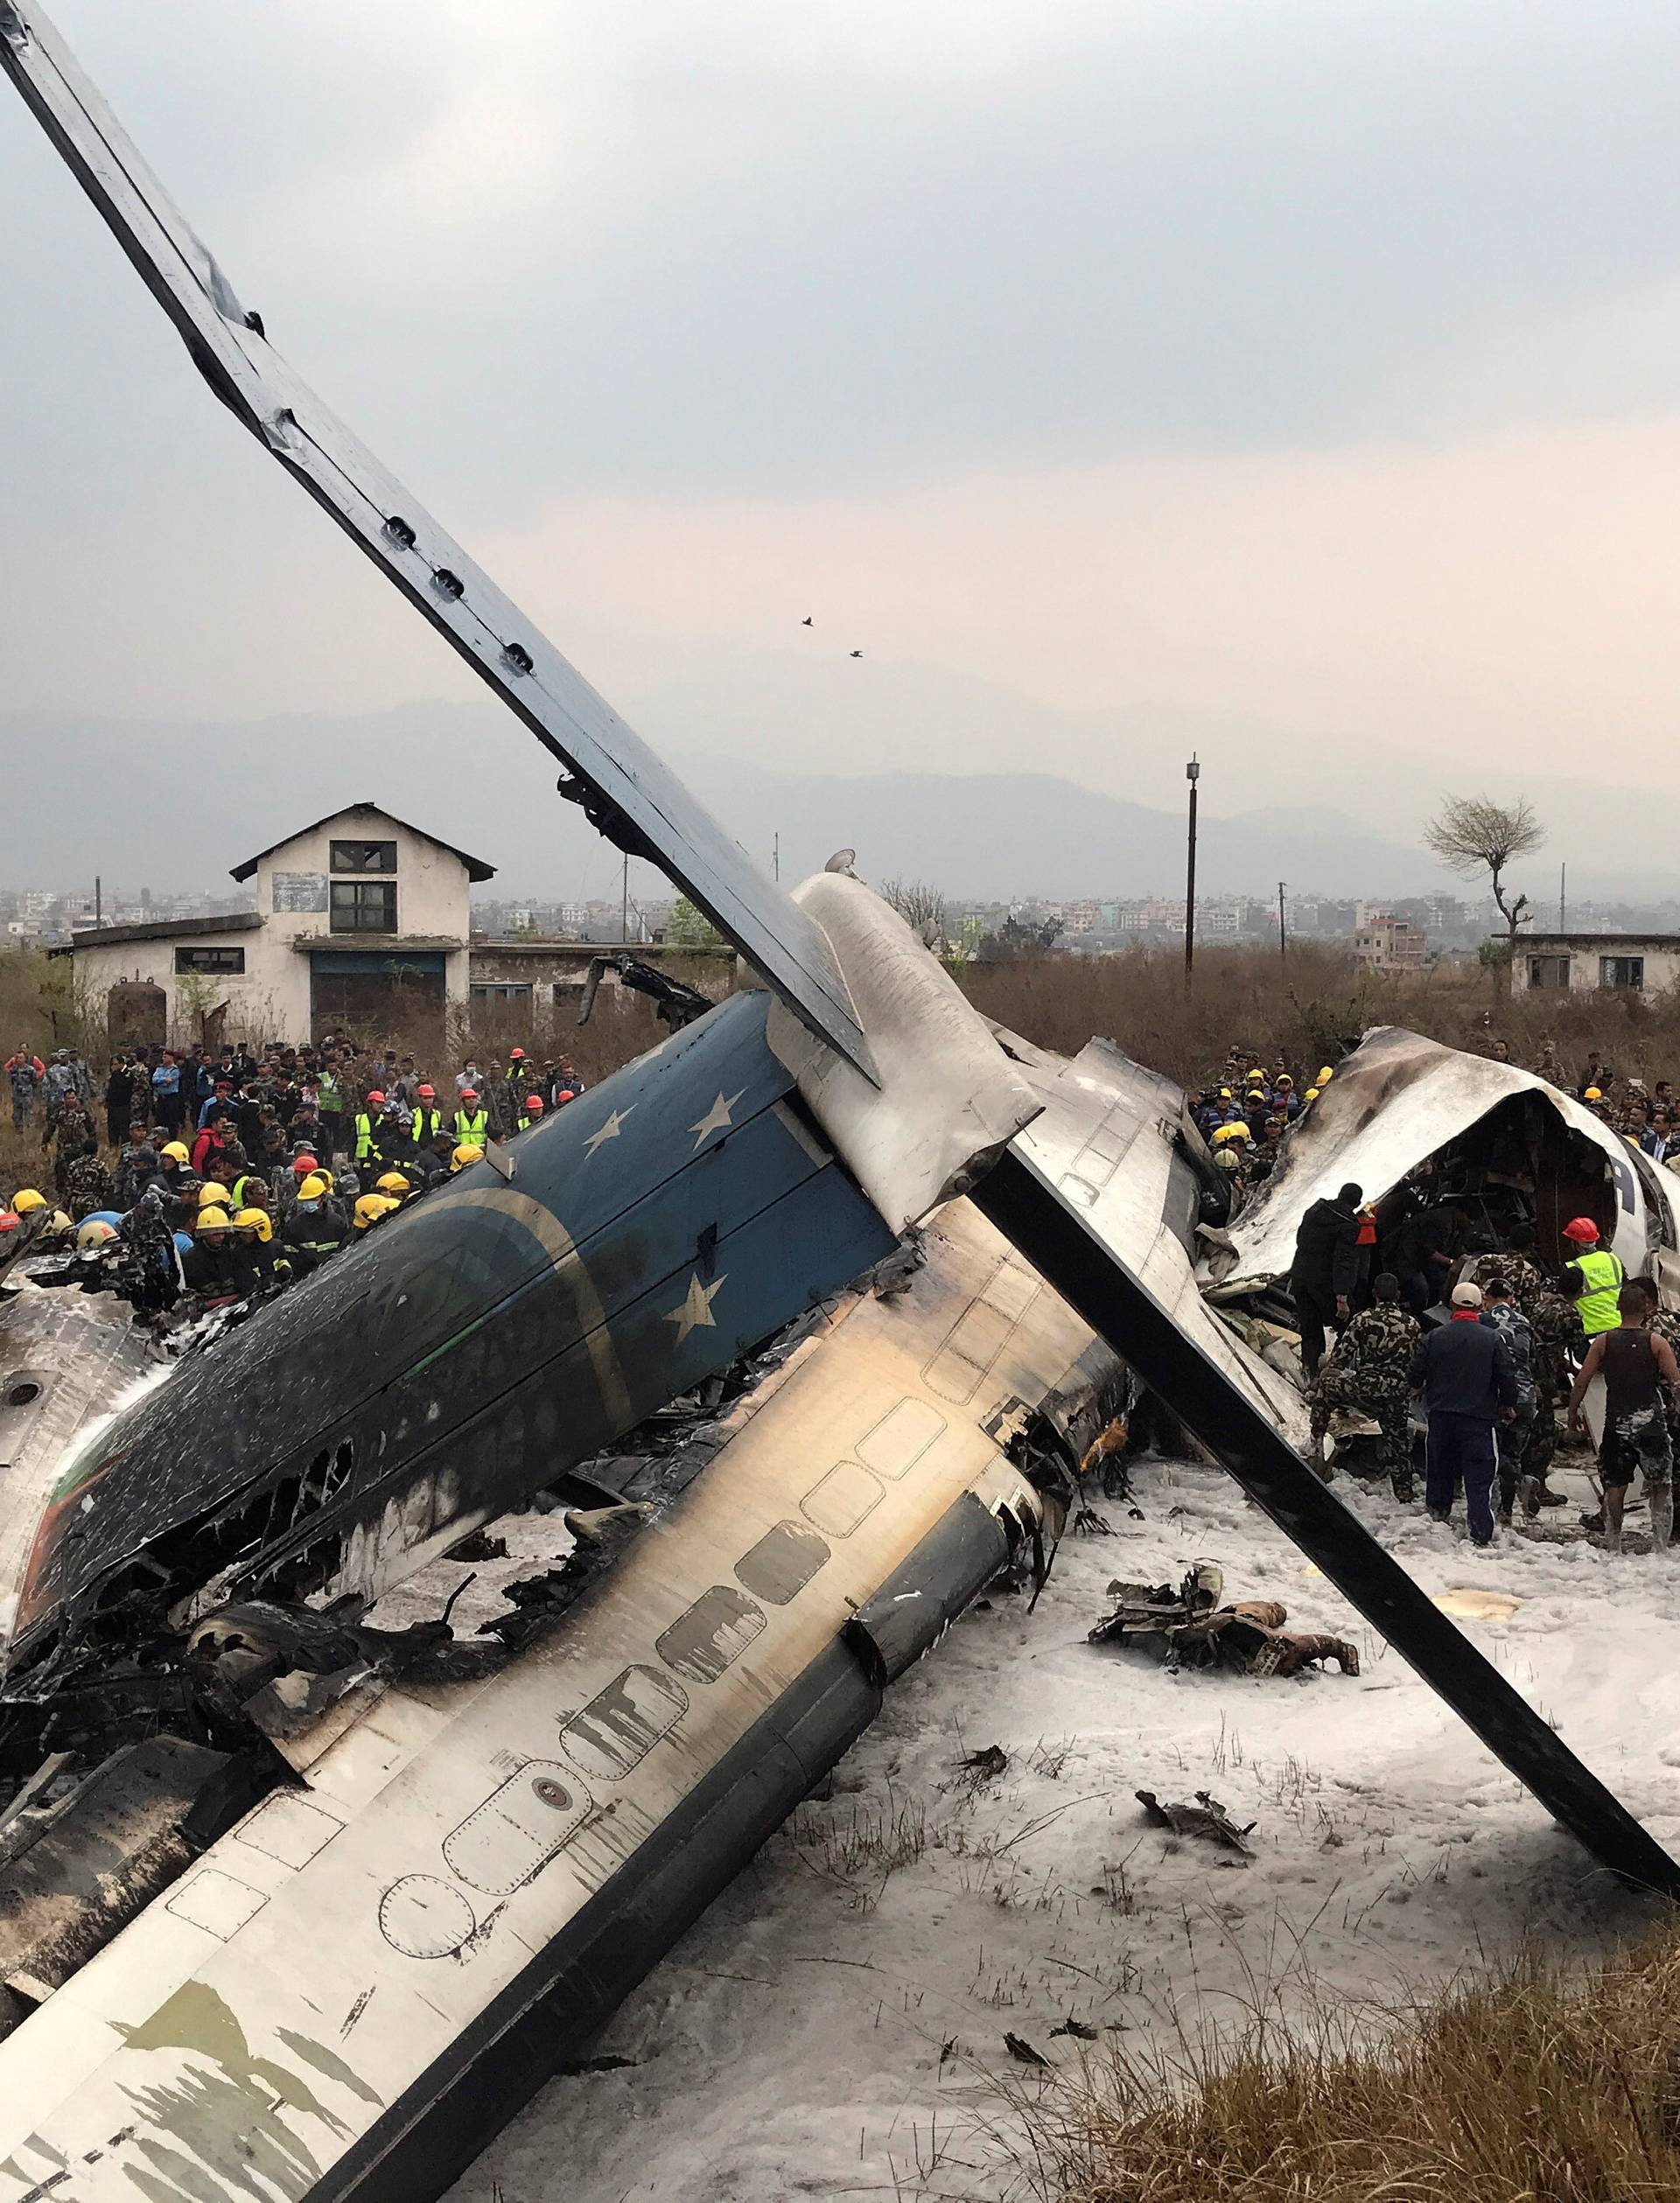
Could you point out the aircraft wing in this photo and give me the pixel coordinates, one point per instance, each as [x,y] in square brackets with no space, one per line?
[628,793]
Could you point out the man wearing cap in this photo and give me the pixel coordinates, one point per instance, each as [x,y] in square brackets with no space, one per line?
[428,1120]
[1469,1383]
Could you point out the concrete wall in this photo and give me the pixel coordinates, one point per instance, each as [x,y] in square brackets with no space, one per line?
[256,1001]
[1584,950]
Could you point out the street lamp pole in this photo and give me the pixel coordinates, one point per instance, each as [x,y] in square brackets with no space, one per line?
[1282,935]
[1192,773]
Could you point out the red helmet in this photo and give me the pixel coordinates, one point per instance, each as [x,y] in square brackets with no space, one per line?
[426,1092]
[515,1055]
[303,1165]
[1582,1230]
[375,1100]
[565,1094]
[469,1093]
[534,1102]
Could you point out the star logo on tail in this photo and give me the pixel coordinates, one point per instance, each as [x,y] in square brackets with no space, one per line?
[693,1310]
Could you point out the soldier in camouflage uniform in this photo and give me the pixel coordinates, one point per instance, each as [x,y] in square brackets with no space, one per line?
[1367,1370]
[71,1129]
[1558,1340]
[1524,1279]
[87,1185]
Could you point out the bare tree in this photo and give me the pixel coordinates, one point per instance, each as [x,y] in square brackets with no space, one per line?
[1472,834]
[920,906]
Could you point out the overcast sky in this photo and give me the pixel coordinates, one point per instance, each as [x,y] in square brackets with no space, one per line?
[1293,378]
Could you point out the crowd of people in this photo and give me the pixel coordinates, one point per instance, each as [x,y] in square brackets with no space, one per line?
[223,1175]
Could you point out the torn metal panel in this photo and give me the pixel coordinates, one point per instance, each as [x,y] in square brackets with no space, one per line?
[1036,1216]
[627,791]
[1397,1100]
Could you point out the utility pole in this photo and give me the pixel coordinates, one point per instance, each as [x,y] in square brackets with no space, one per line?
[624,908]
[1283,931]
[775,856]
[1192,773]
[99,900]
[1563,899]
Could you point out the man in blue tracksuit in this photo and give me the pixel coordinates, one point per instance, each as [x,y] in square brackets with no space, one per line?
[1469,1383]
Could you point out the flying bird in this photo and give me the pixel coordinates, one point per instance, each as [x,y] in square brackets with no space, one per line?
[808,621]
[857,653]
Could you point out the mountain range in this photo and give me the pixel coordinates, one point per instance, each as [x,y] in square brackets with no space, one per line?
[173,806]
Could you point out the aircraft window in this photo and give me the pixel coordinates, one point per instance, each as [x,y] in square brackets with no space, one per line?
[620,1725]
[901,1438]
[519,1828]
[838,1501]
[782,1563]
[21,1395]
[714,1631]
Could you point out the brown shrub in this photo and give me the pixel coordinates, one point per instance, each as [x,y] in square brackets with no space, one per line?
[1533,2085]
[1307,1009]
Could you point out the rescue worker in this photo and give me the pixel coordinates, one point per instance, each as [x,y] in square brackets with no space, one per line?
[72,1130]
[1592,1277]
[329,1100]
[1500,1310]
[394,1186]
[1636,1362]
[316,1224]
[1369,1369]
[1325,1271]
[466,1155]
[137,1165]
[565,1080]
[391,1134]
[471,1126]
[427,1117]
[175,1164]
[530,1114]
[207,1269]
[373,1208]
[362,1128]
[251,1253]
[1468,1380]
[1524,1277]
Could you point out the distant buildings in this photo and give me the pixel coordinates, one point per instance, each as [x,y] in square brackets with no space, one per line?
[1386,943]
[1588,962]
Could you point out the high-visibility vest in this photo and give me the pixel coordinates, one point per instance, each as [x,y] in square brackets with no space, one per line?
[472,1131]
[1602,1275]
[364,1135]
[427,1124]
[326,1095]
[239,1185]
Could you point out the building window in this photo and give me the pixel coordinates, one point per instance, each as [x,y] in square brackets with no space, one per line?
[363,857]
[222,961]
[1548,971]
[489,990]
[1622,971]
[357,909]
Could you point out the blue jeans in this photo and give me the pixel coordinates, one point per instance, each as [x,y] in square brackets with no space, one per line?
[1461,1451]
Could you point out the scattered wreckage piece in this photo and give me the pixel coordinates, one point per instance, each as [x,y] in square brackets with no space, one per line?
[1031,1210]
[1207,1818]
[1189,1628]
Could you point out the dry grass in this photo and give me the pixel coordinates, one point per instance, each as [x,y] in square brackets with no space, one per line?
[1539,2086]
[1308,1009]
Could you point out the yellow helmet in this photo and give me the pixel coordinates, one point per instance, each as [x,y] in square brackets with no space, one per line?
[392,1182]
[464,1155]
[313,1188]
[176,1151]
[212,1219]
[1312,1094]
[1257,1073]
[1238,1131]
[371,1207]
[1325,1074]
[1224,1094]
[94,1233]
[26,1200]
[257,1220]
[58,1226]
[213,1196]
[1592,1094]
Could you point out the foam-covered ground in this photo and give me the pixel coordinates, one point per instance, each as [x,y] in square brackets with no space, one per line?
[835,2026]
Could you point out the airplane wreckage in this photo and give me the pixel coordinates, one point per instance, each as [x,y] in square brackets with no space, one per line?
[810,1316]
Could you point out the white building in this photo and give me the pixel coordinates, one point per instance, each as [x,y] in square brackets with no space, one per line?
[1645,964]
[361,925]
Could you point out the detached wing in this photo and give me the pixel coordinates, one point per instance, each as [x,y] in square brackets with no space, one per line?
[626,791]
